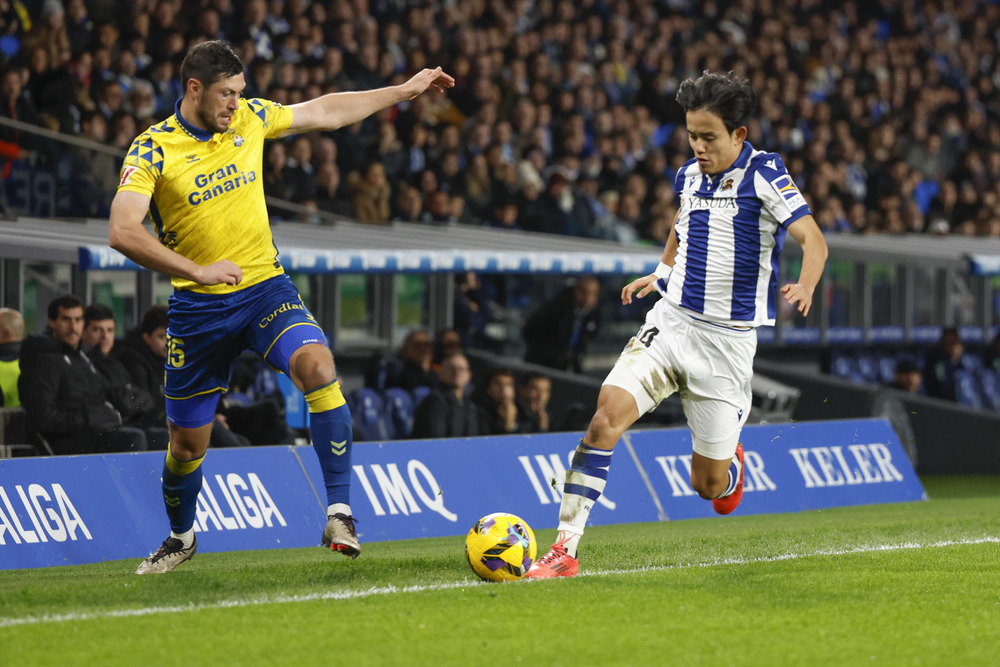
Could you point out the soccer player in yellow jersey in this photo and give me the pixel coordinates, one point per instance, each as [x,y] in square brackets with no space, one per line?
[199,175]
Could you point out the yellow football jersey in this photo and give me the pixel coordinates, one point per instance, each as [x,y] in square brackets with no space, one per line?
[207,190]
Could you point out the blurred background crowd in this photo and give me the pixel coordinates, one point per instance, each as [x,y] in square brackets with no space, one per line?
[563,119]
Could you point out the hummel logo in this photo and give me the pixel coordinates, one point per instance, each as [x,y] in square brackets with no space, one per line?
[771,164]
[338,448]
[172,502]
[192,158]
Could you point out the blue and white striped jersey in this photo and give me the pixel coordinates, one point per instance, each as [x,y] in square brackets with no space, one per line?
[730,232]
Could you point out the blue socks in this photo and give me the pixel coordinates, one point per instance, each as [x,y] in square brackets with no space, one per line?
[181,485]
[332,436]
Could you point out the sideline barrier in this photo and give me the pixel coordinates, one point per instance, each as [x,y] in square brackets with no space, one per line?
[83,509]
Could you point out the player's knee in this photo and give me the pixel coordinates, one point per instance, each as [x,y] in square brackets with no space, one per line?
[604,430]
[188,444]
[311,371]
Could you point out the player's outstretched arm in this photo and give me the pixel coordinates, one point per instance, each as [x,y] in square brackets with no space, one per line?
[647,284]
[129,237]
[336,110]
[814,252]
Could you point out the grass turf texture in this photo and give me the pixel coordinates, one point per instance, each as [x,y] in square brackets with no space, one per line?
[813,587]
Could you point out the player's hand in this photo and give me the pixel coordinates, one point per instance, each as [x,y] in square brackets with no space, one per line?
[427,78]
[645,285]
[220,272]
[795,293]
[507,410]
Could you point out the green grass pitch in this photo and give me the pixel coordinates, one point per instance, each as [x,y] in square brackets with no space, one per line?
[906,584]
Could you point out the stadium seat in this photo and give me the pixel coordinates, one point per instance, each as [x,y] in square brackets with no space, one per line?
[845,366]
[990,385]
[419,394]
[399,406]
[966,391]
[886,368]
[368,414]
[972,362]
[296,409]
[868,368]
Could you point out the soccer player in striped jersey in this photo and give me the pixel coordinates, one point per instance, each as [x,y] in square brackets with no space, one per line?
[718,281]
[199,175]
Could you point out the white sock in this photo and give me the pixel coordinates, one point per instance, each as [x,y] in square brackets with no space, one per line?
[186,538]
[569,540]
[585,481]
[734,477]
[338,508]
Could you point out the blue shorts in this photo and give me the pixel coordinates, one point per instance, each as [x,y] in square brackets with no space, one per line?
[208,331]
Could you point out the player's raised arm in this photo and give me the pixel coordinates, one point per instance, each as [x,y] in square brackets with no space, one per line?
[129,237]
[814,252]
[336,110]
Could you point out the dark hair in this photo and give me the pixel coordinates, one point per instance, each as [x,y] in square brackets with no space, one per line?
[536,375]
[499,371]
[153,319]
[208,62]
[97,312]
[727,95]
[66,302]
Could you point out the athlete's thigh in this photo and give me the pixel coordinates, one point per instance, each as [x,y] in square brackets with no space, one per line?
[717,395]
[646,368]
[281,324]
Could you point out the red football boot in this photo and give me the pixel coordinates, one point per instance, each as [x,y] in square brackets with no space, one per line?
[556,563]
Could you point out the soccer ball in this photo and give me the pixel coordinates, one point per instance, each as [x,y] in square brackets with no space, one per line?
[500,547]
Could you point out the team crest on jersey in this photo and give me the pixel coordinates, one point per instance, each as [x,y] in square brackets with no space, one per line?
[237,140]
[728,185]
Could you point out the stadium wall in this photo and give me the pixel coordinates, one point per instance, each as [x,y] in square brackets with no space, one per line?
[948,438]
[84,509]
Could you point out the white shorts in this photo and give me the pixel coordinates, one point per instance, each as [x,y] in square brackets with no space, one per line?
[709,365]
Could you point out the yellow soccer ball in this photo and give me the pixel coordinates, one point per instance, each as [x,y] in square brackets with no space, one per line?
[501,547]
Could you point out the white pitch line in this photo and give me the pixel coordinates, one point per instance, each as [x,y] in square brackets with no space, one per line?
[390,590]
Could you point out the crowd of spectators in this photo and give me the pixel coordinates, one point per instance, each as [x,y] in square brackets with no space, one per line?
[563,117]
[448,400]
[79,389]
